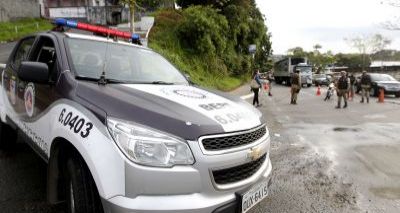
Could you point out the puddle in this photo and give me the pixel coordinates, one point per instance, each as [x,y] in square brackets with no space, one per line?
[346,129]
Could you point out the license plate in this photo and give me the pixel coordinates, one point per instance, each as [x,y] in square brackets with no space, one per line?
[254,196]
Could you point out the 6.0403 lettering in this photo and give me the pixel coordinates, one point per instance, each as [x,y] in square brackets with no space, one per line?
[76,124]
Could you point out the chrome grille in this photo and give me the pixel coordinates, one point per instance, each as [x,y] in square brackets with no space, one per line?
[231,141]
[238,173]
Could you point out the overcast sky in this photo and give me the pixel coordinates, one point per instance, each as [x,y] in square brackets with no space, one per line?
[305,23]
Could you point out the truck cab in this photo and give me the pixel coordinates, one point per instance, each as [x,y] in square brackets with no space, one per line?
[305,73]
[122,130]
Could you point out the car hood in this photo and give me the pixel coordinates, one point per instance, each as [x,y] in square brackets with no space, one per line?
[181,110]
[388,82]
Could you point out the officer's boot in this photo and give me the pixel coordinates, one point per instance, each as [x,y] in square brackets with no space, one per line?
[367,100]
[338,106]
[345,104]
[362,100]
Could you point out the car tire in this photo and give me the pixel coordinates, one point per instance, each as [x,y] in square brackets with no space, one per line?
[397,95]
[308,85]
[373,92]
[8,136]
[80,189]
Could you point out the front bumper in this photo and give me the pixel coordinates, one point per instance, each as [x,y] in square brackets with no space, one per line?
[220,202]
[390,91]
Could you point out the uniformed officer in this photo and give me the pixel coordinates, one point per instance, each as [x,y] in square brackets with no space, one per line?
[343,86]
[365,86]
[296,85]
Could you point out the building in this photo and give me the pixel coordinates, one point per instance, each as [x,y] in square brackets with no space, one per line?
[16,9]
[102,12]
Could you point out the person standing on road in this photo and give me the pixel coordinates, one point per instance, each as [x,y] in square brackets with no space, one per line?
[365,86]
[255,85]
[352,82]
[269,78]
[296,85]
[342,89]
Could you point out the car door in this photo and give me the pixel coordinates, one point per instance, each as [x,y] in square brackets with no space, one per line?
[13,87]
[29,101]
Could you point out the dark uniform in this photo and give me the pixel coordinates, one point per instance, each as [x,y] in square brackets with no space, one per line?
[342,90]
[365,86]
[296,85]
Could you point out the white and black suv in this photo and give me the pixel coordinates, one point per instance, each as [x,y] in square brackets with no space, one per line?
[122,130]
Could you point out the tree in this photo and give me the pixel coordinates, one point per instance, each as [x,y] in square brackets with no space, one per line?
[214,3]
[139,4]
[352,60]
[367,45]
[131,4]
[317,47]
[296,52]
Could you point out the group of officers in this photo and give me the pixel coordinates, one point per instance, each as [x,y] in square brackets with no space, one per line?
[344,87]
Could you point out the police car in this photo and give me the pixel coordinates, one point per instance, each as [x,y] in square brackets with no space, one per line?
[122,130]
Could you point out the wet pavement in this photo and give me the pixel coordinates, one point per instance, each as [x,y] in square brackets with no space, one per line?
[332,160]
[324,159]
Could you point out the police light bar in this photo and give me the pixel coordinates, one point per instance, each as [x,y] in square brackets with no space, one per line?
[96,29]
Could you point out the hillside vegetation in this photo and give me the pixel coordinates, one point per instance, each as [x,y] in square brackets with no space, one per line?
[210,41]
[11,31]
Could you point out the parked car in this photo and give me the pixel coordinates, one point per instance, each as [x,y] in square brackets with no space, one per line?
[390,85]
[123,130]
[321,79]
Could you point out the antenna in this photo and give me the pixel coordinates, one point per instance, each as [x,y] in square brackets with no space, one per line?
[103,80]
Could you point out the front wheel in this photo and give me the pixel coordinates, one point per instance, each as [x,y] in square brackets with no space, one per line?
[398,95]
[373,92]
[81,192]
[308,85]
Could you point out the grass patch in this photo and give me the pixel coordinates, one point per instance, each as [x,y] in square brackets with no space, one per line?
[204,71]
[13,30]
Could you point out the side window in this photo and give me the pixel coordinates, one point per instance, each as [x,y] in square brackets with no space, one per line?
[22,52]
[45,52]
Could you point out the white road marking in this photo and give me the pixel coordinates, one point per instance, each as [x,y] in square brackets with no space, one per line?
[244,97]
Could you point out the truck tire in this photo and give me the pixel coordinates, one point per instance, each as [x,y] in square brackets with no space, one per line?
[81,192]
[8,136]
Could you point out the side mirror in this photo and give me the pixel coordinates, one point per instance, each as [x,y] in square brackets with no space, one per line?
[35,72]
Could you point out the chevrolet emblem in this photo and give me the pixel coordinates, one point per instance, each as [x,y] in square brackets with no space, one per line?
[255,153]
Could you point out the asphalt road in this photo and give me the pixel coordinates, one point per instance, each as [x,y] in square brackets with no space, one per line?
[332,160]
[324,159]
[5,50]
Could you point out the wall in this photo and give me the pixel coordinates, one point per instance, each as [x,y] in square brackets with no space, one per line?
[14,9]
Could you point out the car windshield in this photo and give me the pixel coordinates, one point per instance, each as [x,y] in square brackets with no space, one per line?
[319,75]
[382,77]
[305,69]
[121,63]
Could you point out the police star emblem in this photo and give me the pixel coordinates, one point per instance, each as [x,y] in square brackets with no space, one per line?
[255,153]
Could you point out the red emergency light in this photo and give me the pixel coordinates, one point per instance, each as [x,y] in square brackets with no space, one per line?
[96,29]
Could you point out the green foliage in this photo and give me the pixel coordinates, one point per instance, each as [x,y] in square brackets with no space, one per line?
[215,3]
[386,55]
[24,27]
[353,60]
[204,31]
[210,41]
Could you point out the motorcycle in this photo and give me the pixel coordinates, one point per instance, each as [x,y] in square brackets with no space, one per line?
[329,93]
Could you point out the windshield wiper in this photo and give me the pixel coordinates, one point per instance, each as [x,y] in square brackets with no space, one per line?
[105,80]
[162,82]
[86,78]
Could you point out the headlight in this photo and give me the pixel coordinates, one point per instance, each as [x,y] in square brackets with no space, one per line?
[149,147]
